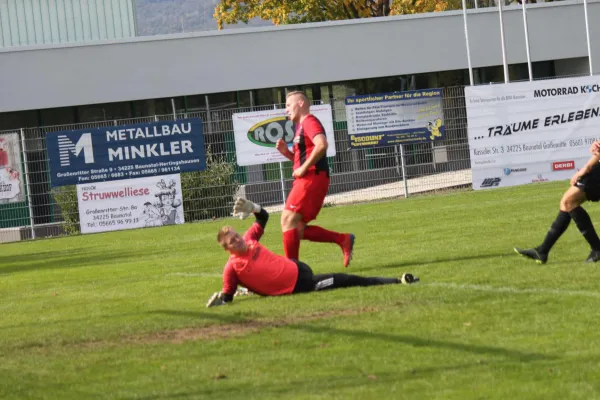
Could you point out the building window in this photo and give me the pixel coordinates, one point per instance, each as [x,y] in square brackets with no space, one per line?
[244,99]
[196,102]
[58,116]
[222,100]
[266,97]
[144,108]
[104,112]
[20,119]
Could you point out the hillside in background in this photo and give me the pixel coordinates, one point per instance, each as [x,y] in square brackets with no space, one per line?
[158,17]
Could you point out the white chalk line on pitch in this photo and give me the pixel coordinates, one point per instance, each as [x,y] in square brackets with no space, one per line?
[483,288]
[504,289]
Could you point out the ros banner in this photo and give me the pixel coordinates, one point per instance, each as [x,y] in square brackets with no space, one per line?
[125,152]
[528,132]
[130,204]
[389,119]
[12,188]
[257,132]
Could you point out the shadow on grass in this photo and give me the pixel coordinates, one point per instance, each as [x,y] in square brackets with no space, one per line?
[319,387]
[353,376]
[392,338]
[71,321]
[35,257]
[416,341]
[200,316]
[417,263]
[67,259]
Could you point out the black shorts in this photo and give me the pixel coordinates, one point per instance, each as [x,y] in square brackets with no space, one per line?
[590,184]
[305,282]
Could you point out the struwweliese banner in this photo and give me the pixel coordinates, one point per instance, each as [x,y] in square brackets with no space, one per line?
[130,204]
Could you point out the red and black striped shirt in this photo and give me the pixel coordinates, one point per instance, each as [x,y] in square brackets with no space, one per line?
[306,131]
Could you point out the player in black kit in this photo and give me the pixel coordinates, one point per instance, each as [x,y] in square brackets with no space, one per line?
[585,186]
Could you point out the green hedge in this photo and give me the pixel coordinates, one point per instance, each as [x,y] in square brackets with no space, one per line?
[209,194]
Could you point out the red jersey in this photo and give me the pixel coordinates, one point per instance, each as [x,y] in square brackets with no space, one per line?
[260,270]
[304,145]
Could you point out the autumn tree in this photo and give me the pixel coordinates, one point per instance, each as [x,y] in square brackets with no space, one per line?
[423,6]
[300,11]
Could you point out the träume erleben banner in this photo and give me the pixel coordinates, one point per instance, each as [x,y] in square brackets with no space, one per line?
[527,132]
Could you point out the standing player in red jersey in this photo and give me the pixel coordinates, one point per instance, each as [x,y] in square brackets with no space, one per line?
[268,274]
[311,182]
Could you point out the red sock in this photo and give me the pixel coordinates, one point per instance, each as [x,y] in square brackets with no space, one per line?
[291,243]
[318,234]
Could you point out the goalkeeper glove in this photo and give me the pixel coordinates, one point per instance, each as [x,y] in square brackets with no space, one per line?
[215,300]
[242,208]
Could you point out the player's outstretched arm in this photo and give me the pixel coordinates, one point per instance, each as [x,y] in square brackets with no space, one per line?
[220,298]
[244,207]
[586,168]
[230,284]
[591,162]
[595,147]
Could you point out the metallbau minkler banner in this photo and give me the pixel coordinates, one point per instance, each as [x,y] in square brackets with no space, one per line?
[124,152]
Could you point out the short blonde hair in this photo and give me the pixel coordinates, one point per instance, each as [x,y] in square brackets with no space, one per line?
[298,92]
[222,232]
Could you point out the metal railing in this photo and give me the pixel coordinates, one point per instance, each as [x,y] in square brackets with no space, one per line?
[357,175]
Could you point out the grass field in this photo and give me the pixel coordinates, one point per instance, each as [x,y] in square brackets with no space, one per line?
[122,315]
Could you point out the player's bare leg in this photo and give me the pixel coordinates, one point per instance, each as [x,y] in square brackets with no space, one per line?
[573,198]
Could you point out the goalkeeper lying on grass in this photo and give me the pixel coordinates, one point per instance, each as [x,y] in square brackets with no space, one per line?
[263,272]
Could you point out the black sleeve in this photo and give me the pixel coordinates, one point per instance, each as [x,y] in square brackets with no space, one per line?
[262,217]
[227,298]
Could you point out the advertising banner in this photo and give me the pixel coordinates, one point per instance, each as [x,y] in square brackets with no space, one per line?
[257,132]
[123,152]
[389,119]
[12,187]
[130,203]
[529,132]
